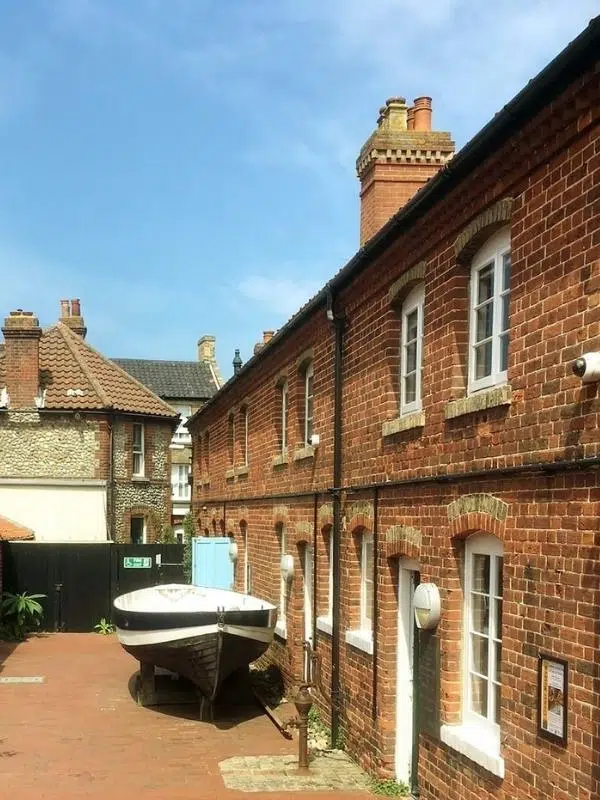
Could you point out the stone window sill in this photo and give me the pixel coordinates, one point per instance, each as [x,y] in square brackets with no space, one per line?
[140,479]
[204,480]
[362,640]
[406,423]
[477,743]
[281,629]
[301,453]
[490,398]
[242,470]
[281,460]
[230,474]
[325,625]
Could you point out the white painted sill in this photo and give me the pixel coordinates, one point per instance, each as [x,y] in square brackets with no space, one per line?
[362,640]
[281,629]
[477,743]
[325,625]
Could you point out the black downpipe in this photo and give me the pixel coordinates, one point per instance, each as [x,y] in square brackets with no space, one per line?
[314,575]
[375,601]
[338,324]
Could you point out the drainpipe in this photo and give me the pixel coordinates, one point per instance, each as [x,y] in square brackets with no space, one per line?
[375,601]
[314,575]
[110,494]
[338,324]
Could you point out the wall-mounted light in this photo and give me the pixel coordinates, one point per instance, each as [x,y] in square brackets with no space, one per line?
[315,439]
[587,367]
[287,567]
[233,552]
[427,605]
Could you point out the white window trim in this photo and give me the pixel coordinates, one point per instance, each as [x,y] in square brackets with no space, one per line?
[362,637]
[284,414]
[308,373]
[281,624]
[492,251]
[325,621]
[139,452]
[177,483]
[182,435]
[487,545]
[414,301]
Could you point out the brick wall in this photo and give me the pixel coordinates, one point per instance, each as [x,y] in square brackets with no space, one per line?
[543,185]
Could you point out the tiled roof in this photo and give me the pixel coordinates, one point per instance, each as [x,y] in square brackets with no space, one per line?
[173,379]
[11,531]
[77,377]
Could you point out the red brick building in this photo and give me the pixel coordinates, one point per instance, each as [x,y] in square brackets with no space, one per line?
[419,421]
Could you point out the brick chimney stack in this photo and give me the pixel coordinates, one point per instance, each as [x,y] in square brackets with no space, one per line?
[70,315]
[207,354]
[22,335]
[399,157]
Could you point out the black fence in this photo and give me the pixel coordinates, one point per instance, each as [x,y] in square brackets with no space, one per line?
[81,581]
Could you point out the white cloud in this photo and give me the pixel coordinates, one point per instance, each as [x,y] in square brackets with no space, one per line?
[284,296]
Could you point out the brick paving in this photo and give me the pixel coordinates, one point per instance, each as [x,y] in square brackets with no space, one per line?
[80,733]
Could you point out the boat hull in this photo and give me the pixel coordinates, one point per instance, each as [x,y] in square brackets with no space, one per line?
[205,645]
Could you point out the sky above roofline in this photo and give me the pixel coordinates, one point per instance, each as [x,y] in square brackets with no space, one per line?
[187,166]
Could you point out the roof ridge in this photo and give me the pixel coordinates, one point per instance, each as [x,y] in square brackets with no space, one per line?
[62,328]
[124,373]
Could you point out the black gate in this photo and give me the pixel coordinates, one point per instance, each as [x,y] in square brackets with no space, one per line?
[80,581]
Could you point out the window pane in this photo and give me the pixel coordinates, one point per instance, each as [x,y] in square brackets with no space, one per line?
[485,321]
[504,352]
[483,360]
[498,661]
[412,325]
[485,283]
[481,573]
[498,609]
[497,691]
[479,654]
[505,312]
[411,357]
[309,386]
[410,388]
[506,267]
[499,565]
[479,702]
[480,613]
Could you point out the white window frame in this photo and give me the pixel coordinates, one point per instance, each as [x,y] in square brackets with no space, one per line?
[138,450]
[490,546]
[284,416]
[308,420]
[366,614]
[144,527]
[281,624]
[492,253]
[178,484]
[415,301]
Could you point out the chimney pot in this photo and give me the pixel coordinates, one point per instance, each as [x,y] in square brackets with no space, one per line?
[237,362]
[422,107]
[75,307]
[65,309]
[410,119]
[267,336]
[70,315]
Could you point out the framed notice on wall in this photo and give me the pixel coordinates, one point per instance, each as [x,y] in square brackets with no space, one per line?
[553,679]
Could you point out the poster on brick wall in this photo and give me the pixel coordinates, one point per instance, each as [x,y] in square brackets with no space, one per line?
[552,698]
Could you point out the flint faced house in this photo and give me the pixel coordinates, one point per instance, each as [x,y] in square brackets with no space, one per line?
[186,386]
[84,447]
[419,421]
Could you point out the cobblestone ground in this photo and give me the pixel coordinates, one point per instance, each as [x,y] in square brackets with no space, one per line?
[79,734]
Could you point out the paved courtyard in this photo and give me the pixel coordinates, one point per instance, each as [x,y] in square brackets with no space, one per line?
[79,733]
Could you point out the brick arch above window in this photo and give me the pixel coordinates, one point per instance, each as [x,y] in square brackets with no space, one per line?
[402,541]
[360,517]
[281,515]
[477,512]
[302,533]
[325,516]
[407,281]
[304,359]
[481,228]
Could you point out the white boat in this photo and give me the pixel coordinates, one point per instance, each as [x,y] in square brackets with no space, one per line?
[201,633]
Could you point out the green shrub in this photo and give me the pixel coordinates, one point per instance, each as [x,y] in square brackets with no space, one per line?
[20,614]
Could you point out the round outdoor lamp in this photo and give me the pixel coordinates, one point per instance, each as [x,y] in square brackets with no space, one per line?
[427,605]
[287,567]
[233,552]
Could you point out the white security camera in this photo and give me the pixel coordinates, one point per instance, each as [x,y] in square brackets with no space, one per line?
[587,367]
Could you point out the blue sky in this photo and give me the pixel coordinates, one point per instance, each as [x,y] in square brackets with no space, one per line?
[187,166]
